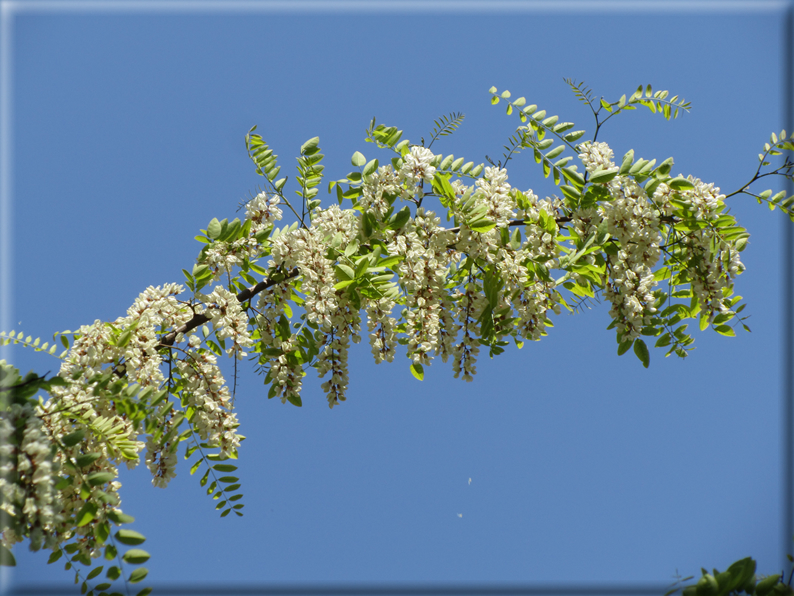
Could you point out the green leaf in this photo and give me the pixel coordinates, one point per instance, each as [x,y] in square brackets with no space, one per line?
[130,537]
[641,350]
[602,176]
[135,556]
[345,272]
[138,574]
[99,478]
[87,459]
[224,467]
[726,330]
[119,517]
[417,370]
[86,514]
[390,262]
[343,284]
[680,184]
[310,144]
[358,159]
[628,160]
[94,572]
[444,189]
[399,219]
[73,438]
[214,229]
[623,347]
[113,573]
[7,557]
[195,466]
[371,167]
[482,225]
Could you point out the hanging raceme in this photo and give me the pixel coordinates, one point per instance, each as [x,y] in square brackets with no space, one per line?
[487,269]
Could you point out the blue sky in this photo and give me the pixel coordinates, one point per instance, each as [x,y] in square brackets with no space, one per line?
[128,137]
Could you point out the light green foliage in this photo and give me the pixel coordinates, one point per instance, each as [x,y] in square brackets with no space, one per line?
[739,578]
[663,249]
[98,503]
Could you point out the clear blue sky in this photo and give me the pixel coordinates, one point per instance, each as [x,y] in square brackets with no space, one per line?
[128,135]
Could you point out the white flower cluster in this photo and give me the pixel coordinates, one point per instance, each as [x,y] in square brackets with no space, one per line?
[27,491]
[129,346]
[633,221]
[493,192]
[152,310]
[471,303]
[416,167]
[714,262]
[333,356]
[382,333]
[206,393]
[423,273]
[222,257]
[509,290]
[229,320]
[306,249]
[381,185]
[596,156]
[161,460]
[535,298]
[262,211]
[286,373]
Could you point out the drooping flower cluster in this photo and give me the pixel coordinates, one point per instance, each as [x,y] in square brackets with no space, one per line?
[104,359]
[305,249]
[423,273]
[27,472]
[417,167]
[494,274]
[262,211]
[207,394]
[536,295]
[229,320]
[223,256]
[713,261]
[379,187]
[633,221]
[493,191]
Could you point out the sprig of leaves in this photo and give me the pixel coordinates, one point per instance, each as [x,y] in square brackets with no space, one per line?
[17,337]
[264,159]
[739,578]
[445,126]
[223,487]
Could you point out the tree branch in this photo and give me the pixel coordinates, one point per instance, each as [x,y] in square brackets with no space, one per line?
[168,340]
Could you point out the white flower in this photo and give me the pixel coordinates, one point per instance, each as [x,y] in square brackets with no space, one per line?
[596,156]
[229,320]
[416,167]
[262,211]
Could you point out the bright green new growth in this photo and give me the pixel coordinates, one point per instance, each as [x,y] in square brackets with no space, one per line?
[661,249]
